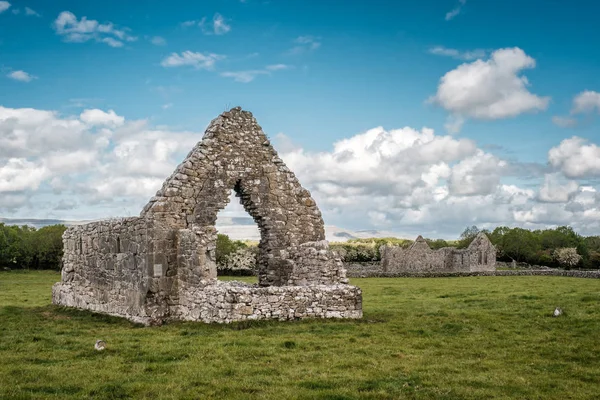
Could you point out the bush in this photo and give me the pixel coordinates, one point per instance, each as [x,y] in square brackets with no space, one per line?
[567,257]
[242,262]
[226,247]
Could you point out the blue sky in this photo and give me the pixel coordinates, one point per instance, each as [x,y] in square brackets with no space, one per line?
[511,79]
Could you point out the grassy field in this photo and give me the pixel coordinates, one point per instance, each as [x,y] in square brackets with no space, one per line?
[439,338]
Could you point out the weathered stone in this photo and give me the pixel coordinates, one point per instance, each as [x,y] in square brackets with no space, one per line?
[162,266]
[420,258]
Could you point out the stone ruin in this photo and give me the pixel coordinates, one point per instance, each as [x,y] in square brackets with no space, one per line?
[420,258]
[161,265]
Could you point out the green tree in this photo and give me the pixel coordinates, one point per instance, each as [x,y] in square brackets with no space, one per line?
[467,236]
[225,247]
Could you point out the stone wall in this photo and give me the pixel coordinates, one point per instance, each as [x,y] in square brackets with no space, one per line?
[420,258]
[519,272]
[162,265]
[363,269]
[236,154]
[120,267]
[237,301]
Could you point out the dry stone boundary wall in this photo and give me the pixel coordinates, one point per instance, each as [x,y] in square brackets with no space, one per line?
[524,272]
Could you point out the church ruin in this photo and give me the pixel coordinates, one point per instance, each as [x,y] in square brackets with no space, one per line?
[480,255]
[161,265]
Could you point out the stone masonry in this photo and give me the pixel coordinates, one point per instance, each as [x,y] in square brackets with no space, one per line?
[420,258]
[161,266]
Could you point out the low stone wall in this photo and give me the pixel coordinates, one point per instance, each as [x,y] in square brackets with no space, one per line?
[238,301]
[362,269]
[523,272]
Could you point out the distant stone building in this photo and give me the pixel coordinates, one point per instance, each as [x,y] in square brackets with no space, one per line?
[420,258]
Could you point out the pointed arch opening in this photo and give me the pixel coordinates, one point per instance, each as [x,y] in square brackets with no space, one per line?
[237,242]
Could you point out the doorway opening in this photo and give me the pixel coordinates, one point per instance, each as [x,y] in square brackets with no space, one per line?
[238,237]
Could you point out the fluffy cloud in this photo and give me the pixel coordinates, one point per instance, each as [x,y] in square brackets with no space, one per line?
[553,191]
[95,157]
[82,30]
[192,59]
[21,76]
[99,117]
[476,175]
[586,101]
[219,26]
[18,174]
[98,164]
[576,158]
[416,182]
[250,75]
[459,55]
[491,89]
[4,5]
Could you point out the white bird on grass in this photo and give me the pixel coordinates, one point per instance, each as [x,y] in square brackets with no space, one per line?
[100,345]
[557,311]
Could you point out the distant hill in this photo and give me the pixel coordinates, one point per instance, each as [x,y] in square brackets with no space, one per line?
[39,223]
[237,228]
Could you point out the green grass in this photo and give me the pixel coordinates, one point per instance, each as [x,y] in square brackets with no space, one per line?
[439,338]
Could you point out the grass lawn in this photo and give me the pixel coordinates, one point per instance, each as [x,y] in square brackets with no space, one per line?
[420,338]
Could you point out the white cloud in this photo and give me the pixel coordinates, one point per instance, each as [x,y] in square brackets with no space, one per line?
[217,26]
[250,75]
[406,180]
[193,59]
[304,44]
[18,174]
[490,89]
[555,191]
[103,165]
[586,101]
[476,175]
[243,76]
[112,42]
[31,12]
[99,117]
[564,122]
[459,55]
[220,27]
[455,11]
[82,30]
[4,5]
[21,76]
[95,157]
[576,158]
[158,41]
[27,132]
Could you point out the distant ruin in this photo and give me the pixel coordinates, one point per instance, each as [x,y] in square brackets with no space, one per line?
[161,266]
[420,258]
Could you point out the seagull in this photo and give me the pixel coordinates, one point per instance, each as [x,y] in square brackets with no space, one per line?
[100,345]
[557,311]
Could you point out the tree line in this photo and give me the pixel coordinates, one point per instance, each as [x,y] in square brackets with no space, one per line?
[30,248]
[540,247]
[25,247]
